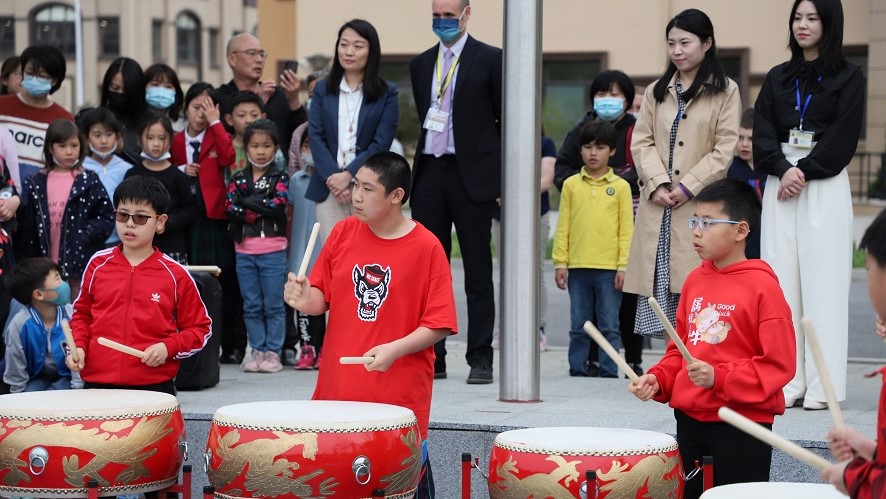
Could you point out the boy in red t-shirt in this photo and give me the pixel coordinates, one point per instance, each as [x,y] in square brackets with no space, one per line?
[861,470]
[387,285]
[735,321]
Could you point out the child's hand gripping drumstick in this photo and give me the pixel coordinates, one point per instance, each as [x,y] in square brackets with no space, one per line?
[597,336]
[69,338]
[669,328]
[823,373]
[309,250]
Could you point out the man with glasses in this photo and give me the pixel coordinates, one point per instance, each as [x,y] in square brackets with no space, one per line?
[246,59]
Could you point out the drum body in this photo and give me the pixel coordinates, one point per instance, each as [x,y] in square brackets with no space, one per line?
[52,443]
[314,449]
[773,490]
[552,462]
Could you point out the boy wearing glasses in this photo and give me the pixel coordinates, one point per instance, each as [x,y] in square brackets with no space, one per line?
[136,295]
[736,323]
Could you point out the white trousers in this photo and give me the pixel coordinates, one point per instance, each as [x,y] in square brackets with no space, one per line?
[808,242]
[329,213]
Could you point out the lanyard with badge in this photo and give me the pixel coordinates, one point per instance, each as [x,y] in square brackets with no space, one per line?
[436,119]
[798,137]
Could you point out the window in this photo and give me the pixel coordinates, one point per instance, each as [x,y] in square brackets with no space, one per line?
[735,65]
[7,37]
[187,34]
[566,86]
[157,40]
[54,25]
[214,61]
[109,36]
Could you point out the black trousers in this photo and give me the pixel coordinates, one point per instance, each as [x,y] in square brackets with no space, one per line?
[738,457]
[631,341]
[438,201]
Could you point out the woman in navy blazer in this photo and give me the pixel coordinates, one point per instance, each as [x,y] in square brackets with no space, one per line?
[354,114]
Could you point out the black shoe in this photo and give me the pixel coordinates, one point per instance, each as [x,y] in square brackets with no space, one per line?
[440,375]
[638,370]
[481,374]
[231,358]
[593,370]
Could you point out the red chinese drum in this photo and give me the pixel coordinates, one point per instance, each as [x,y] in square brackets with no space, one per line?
[52,443]
[318,448]
[552,462]
[773,490]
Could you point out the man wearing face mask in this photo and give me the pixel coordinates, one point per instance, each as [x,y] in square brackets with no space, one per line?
[612,93]
[28,113]
[457,86]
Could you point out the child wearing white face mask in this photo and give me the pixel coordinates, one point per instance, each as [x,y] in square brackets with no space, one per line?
[104,137]
[155,139]
[256,208]
[68,215]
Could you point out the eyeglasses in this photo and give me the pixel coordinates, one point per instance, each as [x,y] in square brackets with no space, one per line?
[703,223]
[138,218]
[252,53]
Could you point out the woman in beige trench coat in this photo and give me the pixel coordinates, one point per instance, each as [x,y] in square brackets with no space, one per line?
[684,139]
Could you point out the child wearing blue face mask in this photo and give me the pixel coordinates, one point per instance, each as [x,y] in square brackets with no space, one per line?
[29,113]
[67,212]
[35,354]
[104,137]
[155,138]
[164,95]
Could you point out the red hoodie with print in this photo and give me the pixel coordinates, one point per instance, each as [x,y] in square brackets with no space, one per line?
[737,320]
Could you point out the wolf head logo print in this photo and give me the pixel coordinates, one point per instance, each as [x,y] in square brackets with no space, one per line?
[371,289]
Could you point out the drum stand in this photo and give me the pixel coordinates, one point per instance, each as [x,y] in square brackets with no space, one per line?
[174,490]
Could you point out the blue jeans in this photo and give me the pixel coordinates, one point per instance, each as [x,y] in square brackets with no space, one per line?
[42,384]
[261,284]
[592,297]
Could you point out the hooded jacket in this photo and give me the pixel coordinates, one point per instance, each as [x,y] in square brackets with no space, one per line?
[737,320]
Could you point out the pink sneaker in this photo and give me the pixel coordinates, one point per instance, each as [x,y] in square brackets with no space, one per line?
[317,362]
[306,359]
[271,363]
[251,362]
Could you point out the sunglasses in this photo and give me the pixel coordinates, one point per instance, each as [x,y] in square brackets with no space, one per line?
[139,219]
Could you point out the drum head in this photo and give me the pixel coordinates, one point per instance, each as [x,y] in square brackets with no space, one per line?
[773,490]
[586,441]
[72,405]
[314,415]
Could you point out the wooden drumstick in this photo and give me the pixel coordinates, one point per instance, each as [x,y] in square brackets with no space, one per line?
[669,328]
[597,336]
[753,429]
[356,360]
[309,250]
[120,347]
[823,374]
[211,269]
[69,338]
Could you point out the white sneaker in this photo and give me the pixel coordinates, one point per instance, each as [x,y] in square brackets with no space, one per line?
[814,405]
[270,363]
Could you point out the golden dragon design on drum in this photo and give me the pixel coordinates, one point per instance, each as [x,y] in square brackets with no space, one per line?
[105,443]
[265,476]
[656,474]
[539,485]
[407,477]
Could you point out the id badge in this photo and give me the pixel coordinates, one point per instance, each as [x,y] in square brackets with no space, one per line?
[801,138]
[436,120]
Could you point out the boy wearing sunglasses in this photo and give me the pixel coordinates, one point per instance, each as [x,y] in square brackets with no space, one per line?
[136,295]
[737,325]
